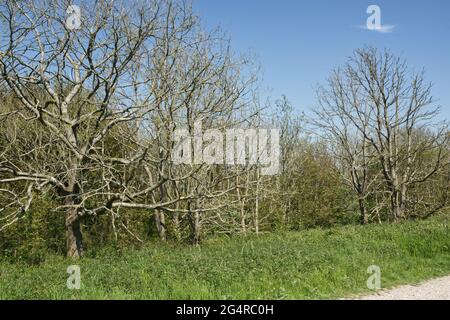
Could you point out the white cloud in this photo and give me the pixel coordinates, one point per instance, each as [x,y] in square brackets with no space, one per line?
[387,28]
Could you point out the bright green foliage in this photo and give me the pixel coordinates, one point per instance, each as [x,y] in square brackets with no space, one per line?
[35,235]
[320,263]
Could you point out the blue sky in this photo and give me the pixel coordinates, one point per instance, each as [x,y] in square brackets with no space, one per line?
[298,42]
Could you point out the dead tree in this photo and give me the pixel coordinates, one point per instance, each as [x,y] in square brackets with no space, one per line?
[354,157]
[92,92]
[388,108]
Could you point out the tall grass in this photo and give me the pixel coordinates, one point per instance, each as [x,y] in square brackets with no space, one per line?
[313,264]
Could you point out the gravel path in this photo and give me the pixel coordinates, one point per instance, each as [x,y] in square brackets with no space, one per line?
[437,289]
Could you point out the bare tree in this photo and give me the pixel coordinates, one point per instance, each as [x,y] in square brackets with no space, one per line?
[376,100]
[104,100]
[290,126]
[347,142]
[86,80]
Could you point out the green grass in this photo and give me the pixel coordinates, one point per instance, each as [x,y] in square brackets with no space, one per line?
[313,264]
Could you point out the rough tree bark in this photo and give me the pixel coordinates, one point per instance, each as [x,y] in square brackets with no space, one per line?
[74,237]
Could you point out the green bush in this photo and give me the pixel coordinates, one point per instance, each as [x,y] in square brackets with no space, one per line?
[39,232]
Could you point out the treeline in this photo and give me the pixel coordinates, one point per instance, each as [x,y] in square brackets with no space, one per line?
[88,119]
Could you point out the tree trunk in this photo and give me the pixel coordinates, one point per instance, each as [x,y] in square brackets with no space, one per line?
[160,220]
[243,224]
[176,225]
[241,205]
[286,214]
[74,237]
[195,224]
[257,202]
[364,218]
[196,228]
[396,206]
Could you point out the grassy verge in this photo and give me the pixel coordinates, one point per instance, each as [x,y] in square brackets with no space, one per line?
[314,264]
